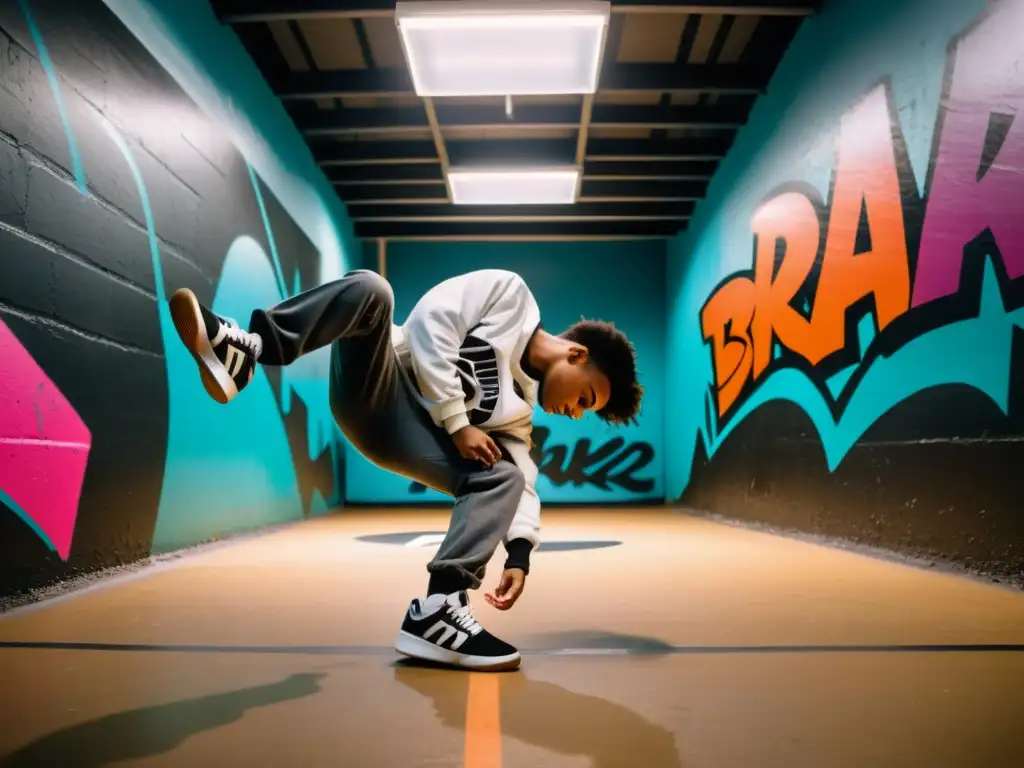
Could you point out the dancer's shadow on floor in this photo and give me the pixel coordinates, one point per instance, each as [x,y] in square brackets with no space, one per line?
[154,730]
[551,717]
[638,646]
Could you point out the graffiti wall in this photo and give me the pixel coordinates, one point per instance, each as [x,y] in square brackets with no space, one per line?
[115,190]
[583,461]
[845,314]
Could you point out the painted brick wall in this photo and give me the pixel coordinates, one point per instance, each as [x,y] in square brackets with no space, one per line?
[845,353]
[115,190]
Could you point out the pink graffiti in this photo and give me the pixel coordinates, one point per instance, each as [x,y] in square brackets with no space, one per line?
[987,80]
[44,445]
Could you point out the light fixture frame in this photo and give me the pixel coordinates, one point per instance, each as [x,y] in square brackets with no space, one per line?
[413,12]
[511,170]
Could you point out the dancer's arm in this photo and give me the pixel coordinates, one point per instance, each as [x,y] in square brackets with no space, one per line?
[523,534]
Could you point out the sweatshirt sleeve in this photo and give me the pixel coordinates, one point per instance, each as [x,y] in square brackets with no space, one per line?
[524,533]
[439,323]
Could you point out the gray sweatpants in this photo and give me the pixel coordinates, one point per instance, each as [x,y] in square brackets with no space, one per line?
[375,404]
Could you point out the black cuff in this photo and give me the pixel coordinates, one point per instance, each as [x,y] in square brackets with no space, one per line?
[518,554]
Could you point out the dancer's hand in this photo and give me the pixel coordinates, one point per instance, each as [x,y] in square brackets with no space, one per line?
[476,444]
[508,590]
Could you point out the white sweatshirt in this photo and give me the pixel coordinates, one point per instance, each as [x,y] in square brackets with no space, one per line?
[464,340]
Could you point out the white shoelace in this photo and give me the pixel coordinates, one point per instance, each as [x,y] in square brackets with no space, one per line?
[250,341]
[464,618]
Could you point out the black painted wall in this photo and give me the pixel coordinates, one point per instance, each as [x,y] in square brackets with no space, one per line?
[927,481]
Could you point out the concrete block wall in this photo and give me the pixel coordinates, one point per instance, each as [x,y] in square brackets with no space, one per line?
[115,190]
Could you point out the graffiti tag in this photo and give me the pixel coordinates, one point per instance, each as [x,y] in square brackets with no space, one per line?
[613,463]
[877,248]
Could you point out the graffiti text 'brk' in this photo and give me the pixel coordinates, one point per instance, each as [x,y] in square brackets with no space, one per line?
[877,250]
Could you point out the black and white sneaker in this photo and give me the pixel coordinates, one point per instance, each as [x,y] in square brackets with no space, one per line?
[450,635]
[226,355]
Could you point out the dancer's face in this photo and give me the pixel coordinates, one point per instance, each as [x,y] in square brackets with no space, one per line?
[574,385]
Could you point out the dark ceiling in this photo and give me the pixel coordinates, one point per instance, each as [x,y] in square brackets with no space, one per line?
[677,81]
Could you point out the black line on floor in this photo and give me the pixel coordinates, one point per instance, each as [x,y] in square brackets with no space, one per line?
[380,650]
[336,650]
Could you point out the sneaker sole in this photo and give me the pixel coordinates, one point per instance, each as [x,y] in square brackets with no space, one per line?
[418,648]
[191,328]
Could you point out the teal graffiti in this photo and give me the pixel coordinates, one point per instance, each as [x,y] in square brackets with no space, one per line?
[865,335]
[51,75]
[147,210]
[27,519]
[278,273]
[227,469]
[306,378]
[974,352]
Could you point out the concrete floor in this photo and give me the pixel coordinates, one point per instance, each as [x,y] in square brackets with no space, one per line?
[744,650]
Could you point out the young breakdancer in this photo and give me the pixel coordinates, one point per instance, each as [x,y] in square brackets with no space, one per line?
[445,400]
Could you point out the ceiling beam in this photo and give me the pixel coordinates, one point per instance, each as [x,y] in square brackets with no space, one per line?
[633,78]
[446,237]
[582,135]
[395,174]
[708,117]
[471,230]
[683,78]
[393,194]
[722,7]
[439,144]
[658,150]
[340,122]
[502,152]
[489,152]
[461,153]
[592,191]
[252,11]
[342,83]
[413,174]
[389,152]
[587,211]
[627,190]
[627,170]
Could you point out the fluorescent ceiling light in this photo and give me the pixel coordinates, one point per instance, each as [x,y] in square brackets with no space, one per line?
[514,186]
[503,48]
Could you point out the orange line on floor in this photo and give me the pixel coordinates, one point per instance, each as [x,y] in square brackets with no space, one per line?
[483,721]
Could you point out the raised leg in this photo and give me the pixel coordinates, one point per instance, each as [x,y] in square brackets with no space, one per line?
[357,305]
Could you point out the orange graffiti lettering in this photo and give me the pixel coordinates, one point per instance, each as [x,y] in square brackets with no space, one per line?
[866,175]
[725,321]
[790,217]
[744,318]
